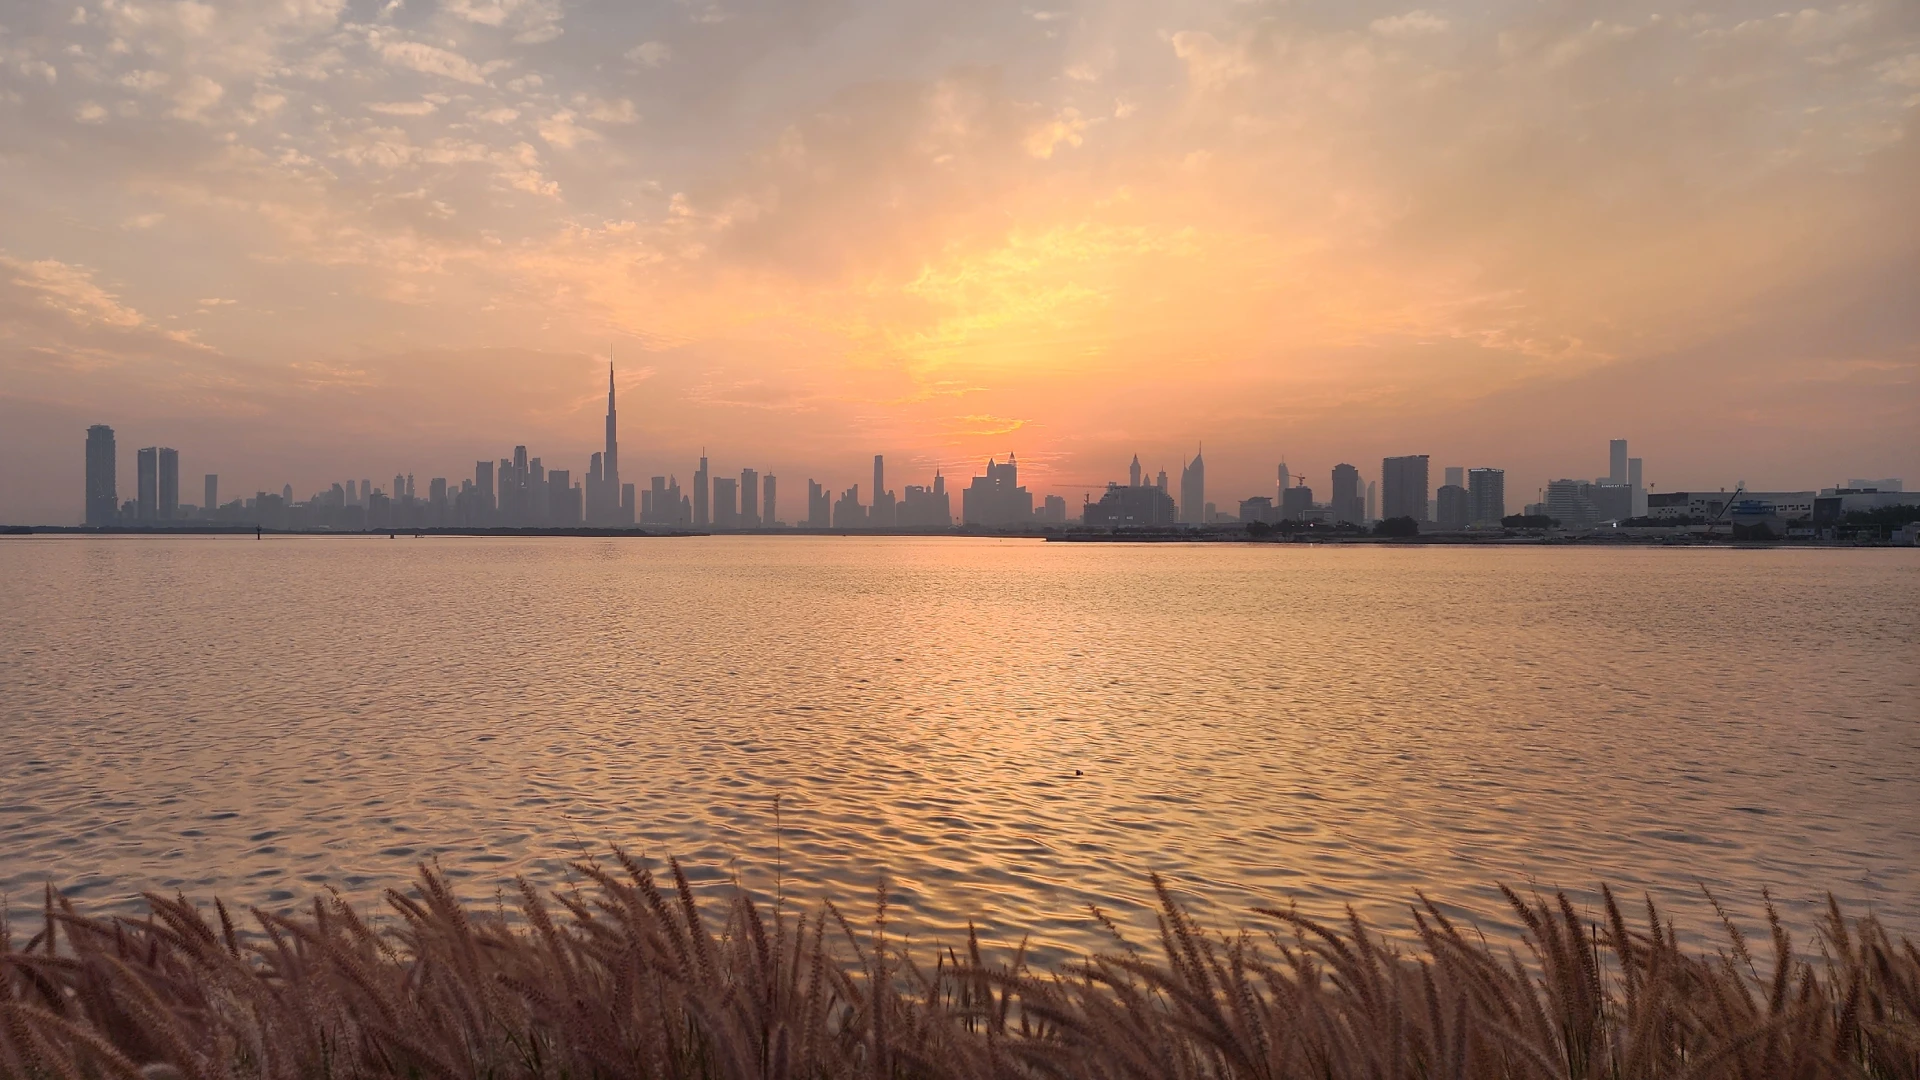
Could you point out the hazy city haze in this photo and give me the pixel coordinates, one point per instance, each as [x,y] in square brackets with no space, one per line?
[306,240]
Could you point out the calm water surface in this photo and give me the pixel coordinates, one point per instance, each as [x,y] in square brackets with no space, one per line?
[1008,730]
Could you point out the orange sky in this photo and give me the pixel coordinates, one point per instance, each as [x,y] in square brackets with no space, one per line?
[306,241]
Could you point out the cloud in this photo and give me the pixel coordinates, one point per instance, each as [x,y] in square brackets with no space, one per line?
[560,130]
[431,60]
[90,113]
[1416,23]
[403,108]
[1067,128]
[619,111]
[194,96]
[531,22]
[68,290]
[650,53]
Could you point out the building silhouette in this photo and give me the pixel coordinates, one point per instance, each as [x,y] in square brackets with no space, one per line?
[726,508]
[1131,506]
[926,507]
[212,503]
[169,507]
[103,496]
[769,517]
[1451,509]
[1616,461]
[702,517]
[1133,472]
[749,499]
[1486,496]
[847,511]
[1403,487]
[1296,503]
[1193,490]
[147,494]
[1348,505]
[819,506]
[997,500]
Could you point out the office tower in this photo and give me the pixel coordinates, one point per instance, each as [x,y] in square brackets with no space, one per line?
[1486,496]
[1450,507]
[1638,493]
[147,494]
[879,474]
[1403,484]
[1617,461]
[286,494]
[1193,490]
[700,515]
[437,501]
[610,466]
[213,495]
[409,485]
[768,516]
[726,512]
[1054,508]
[1295,502]
[103,495]
[483,489]
[847,511]
[560,509]
[1160,480]
[1457,476]
[819,506]
[366,491]
[169,484]
[1133,472]
[750,498]
[1286,481]
[1348,504]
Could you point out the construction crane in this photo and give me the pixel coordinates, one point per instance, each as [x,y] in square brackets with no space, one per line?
[1724,507]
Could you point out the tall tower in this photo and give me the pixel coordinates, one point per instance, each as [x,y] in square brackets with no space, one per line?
[1193,490]
[1617,461]
[147,495]
[700,489]
[1286,481]
[610,465]
[879,475]
[103,498]
[169,484]
[1133,472]
[212,502]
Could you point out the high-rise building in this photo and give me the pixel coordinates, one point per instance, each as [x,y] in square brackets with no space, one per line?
[1160,480]
[483,488]
[1193,490]
[1348,504]
[997,499]
[1053,509]
[819,506]
[563,500]
[701,517]
[1286,481]
[147,495]
[1296,502]
[1133,472]
[213,496]
[1617,461]
[847,511]
[726,506]
[1451,507]
[768,515]
[169,508]
[1639,493]
[1457,476]
[610,465]
[1486,496]
[103,495]
[1403,487]
[749,499]
[879,473]
[925,507]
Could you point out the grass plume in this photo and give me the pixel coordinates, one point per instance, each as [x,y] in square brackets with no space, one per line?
[625,978]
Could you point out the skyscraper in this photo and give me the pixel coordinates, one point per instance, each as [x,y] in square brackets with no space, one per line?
[701,518]
[1193,491]
[1638,493]
[1348,504]
[768,515]
[213,496]
[169,484]
[1486,496]
[147,495]
[103,496]
[483,486]
[726,513]
[610,465]
[1286,481]
[1133,472]
[749,499]
[1451,509]
[1403,487]
[1617,461]
[819,506]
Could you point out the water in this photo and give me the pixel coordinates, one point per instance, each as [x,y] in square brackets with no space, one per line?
[1008,730]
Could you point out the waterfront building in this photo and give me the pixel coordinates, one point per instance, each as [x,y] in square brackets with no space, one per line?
[847,511]
[1348,504]
[103,496]
[147,494]
[169,506]
[1486,496]
[1451,508]
[819,506]
[1193,490]
[749,499]
[1132,506]
[997,500]
[1616,461]
[926,507]
[726,507]
[1296,503]
[1403,487]
[1053,509]
[701,511]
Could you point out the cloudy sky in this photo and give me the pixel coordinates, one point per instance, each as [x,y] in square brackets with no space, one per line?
[311,240]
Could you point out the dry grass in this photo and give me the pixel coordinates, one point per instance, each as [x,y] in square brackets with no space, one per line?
[623,979]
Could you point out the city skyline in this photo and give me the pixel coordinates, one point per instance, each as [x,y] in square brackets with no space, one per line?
[349,236]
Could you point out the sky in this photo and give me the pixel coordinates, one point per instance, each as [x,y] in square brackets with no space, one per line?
[305,241]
